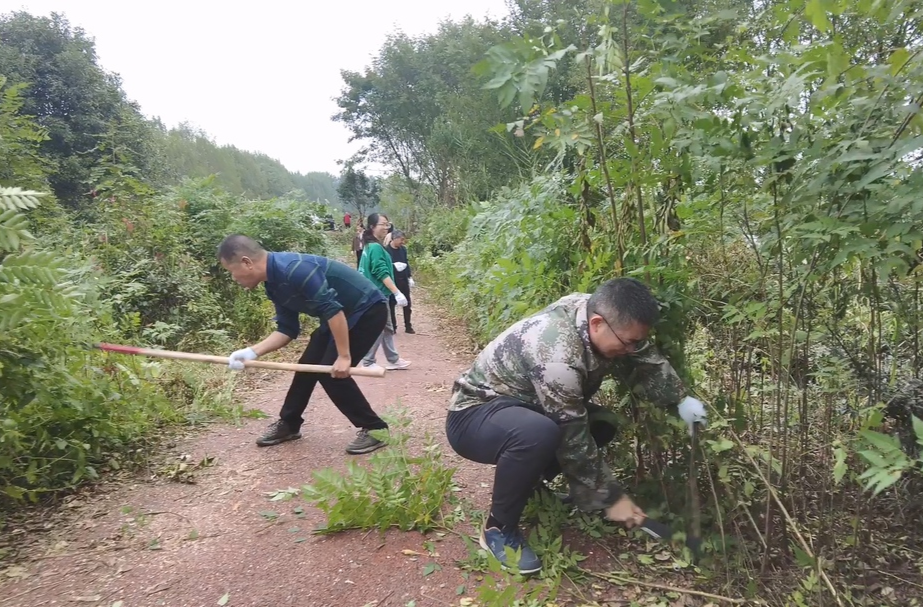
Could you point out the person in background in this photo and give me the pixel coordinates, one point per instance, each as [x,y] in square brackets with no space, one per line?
[525,406]
[375,264]
[347,220]
[402,277]
[352,314]
[357,245]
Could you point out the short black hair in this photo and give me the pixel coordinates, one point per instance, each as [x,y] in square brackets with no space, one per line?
[235,246]
[625,301]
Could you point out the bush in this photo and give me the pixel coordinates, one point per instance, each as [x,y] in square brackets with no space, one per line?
[141,270]
[63,413]
[518,255]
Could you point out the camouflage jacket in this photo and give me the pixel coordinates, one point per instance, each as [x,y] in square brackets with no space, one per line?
[547,361]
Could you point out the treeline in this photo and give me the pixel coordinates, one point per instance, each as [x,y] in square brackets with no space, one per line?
[87,120]
[757,163]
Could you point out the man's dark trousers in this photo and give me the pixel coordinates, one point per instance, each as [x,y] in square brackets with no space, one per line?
[344,393]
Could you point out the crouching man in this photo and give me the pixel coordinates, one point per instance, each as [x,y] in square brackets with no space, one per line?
[524,405]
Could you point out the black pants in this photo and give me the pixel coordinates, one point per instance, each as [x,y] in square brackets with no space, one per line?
[521,442]
[358,257]
[344,393]
[403,287]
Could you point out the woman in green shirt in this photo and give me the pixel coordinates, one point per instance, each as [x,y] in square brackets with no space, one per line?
[375,264]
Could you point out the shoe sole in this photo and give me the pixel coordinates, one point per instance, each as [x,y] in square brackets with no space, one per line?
[397,368]
[365,450]
[270,443]
[483,543]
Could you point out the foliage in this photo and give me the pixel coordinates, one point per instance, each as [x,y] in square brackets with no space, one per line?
[509,246]
[758,166]
[132,265]
[394,489]
[419,112]
[189,153]
[68,94]
[20,139]
[64,414]
[358,191]
[84,115]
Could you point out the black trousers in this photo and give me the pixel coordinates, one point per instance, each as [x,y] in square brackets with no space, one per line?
[404,287]
[358,257]
[344,393]
[521,442]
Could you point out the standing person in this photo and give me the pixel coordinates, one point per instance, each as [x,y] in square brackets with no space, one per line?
[352,314]
[376,265]
[347,220]
[357,245]
[402,277]
[524,405]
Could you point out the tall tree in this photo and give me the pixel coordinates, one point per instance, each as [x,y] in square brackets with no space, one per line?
[358,191]
[423,113]
[68,93]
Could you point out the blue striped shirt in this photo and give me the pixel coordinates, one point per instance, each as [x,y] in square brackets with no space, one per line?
[298,283]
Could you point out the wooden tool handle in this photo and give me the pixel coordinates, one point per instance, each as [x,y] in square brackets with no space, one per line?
[223,360]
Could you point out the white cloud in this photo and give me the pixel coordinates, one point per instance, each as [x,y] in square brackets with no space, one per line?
[261,76]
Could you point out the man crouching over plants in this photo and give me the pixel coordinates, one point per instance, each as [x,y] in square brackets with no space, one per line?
[524,405]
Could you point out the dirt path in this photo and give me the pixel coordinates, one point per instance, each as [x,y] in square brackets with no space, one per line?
[160,542]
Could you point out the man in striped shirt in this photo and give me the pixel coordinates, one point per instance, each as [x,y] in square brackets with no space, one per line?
[352,314]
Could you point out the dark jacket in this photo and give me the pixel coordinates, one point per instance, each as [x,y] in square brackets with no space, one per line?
[317,286]
[396,256]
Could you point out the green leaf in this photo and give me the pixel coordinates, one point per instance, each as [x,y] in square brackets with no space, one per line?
[839,467]
[898,59]
[815,11]
[918,429]
[431,568]
[883,442]
[721,445]
[803,559]
[224,599]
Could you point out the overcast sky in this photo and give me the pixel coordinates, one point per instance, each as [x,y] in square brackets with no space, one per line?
[259,75]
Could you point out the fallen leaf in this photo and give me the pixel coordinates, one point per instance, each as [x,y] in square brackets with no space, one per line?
[16,571]
[408,552]
[224,600]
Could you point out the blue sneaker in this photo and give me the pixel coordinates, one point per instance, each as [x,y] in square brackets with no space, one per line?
[495,541]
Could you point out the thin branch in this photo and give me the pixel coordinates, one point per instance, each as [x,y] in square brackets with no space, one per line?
[619,579]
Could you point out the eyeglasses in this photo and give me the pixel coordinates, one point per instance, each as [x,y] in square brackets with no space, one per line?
[631,346]
[387,224]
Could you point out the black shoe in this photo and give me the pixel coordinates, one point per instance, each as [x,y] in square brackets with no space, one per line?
[278,432]
[409,330]
[364,443]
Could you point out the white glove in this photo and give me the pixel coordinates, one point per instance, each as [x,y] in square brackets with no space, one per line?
[399,299]
[692,411]
[238,358]
[400,266]
[411,282]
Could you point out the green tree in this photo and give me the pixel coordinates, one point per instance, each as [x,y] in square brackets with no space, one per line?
[422,112]
[20,140]
[358,191]
[71,97]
